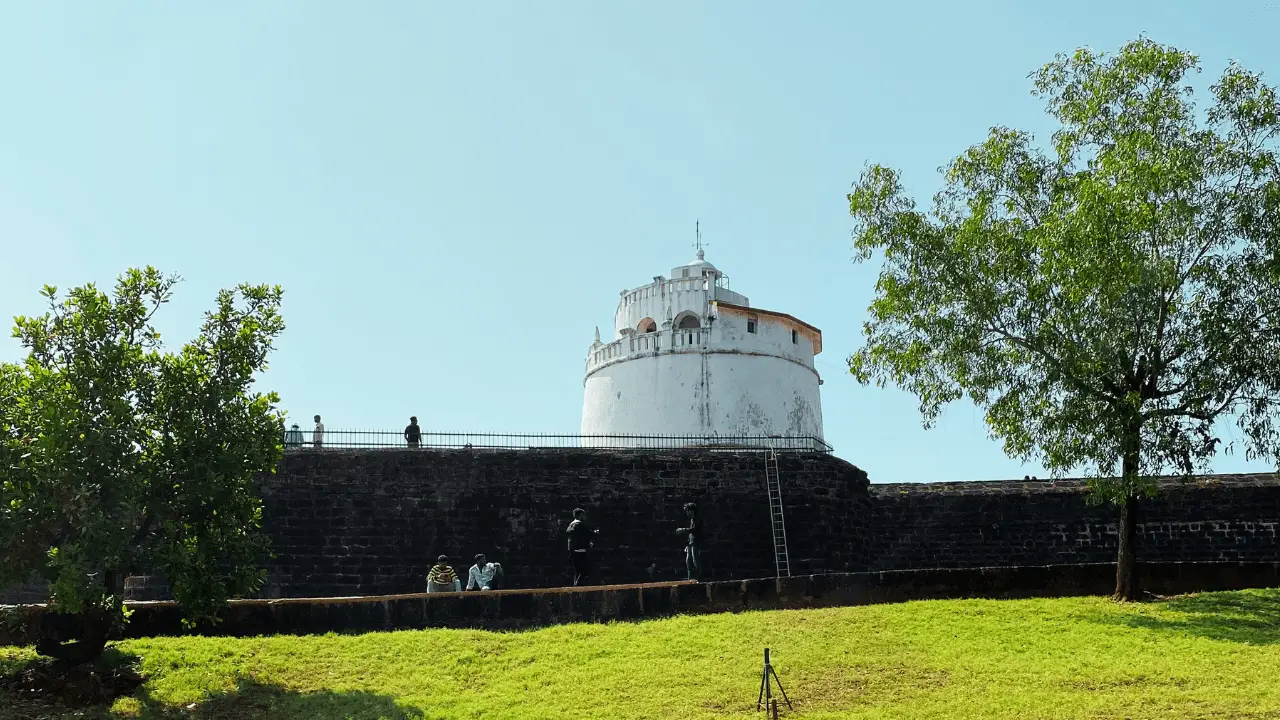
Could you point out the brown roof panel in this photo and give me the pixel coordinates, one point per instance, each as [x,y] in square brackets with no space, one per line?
[817,334]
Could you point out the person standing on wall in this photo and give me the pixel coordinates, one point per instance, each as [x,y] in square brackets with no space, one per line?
[413,433]
[693,549]
[317,438]
[580,543]
[293,439]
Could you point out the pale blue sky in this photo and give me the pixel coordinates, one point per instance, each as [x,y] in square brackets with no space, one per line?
[453,194]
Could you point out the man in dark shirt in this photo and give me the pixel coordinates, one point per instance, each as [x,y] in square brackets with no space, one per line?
[580,544]
[696,532]
[293,439]
[413,433]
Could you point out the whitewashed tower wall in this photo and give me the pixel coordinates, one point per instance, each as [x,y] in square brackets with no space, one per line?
[691,357]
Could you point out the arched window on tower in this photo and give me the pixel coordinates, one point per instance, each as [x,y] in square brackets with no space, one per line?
[647,325]
[688,322]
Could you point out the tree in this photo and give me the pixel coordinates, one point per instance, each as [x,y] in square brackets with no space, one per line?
[1105,303]
[120,458]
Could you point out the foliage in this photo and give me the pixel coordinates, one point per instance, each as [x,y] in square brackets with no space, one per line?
[1106,303]
[119,457]
[12,621]
[1208,656]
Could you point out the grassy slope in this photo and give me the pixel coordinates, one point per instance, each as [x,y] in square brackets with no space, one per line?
[1209,656]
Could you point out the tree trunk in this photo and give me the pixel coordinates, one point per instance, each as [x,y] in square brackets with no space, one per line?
[73,639]
[1127,553]
[1126,557]
[81,638]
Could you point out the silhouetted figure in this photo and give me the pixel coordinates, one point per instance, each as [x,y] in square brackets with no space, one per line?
[293,438]
[442,578]
[413,433]
[580,544]
[696,532]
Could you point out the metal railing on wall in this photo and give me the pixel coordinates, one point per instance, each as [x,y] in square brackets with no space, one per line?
[304,440]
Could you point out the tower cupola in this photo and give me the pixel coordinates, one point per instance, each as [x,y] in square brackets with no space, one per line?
[698,268]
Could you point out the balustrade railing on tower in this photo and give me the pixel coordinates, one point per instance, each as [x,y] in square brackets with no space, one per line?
[394,439]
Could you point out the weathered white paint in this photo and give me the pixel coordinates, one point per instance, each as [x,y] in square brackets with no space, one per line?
[717,379]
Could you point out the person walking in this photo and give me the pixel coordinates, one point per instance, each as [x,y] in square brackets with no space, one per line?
[413,433]
[317,437]
[442,578]
[580,536]
[696,531]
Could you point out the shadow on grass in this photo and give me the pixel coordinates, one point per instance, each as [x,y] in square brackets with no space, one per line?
[1247,616]
[46,683]
[250,700]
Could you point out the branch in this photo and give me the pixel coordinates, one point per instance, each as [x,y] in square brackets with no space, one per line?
[145,528]
[1161,394]
[1022,342]
[1184,409]
[1054,362]
[146,319]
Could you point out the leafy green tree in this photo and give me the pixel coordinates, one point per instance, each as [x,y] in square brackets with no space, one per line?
[119,458]
[1107,302]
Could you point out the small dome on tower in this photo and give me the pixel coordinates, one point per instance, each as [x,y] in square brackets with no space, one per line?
[698,268]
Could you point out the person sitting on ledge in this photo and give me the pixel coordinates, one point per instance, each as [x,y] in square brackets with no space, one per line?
[442,578]
[484,575]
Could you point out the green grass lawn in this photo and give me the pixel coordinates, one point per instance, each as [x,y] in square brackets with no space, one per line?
[1208,656]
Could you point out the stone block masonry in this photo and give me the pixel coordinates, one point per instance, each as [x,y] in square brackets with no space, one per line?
[974,524]
[523,609]
[372,522]
[30,592]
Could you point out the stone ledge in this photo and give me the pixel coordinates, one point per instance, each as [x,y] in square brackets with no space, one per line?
[1065,485]
[523,609]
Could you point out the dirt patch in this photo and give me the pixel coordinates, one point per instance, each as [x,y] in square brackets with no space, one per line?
[1123,683]
[54,684]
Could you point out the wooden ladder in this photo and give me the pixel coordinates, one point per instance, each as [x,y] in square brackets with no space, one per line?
[780,558]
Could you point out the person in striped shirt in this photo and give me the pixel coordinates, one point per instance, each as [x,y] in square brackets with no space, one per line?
[442,578]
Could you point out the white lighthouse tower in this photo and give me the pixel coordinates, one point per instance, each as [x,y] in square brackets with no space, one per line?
[691,357]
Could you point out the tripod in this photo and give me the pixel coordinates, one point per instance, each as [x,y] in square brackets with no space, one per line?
[766,688]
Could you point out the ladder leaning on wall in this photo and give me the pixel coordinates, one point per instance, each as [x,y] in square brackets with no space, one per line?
[774,485]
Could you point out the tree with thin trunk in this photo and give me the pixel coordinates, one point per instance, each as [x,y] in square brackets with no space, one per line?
[1112,303]
[117,457]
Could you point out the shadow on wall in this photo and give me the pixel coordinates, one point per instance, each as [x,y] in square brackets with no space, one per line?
[1249,617]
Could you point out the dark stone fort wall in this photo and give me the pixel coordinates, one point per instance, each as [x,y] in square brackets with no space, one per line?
[976,524]
[372,522]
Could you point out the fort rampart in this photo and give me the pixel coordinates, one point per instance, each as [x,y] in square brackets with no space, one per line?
[371,522]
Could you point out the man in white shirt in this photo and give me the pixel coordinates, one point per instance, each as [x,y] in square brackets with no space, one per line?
[318,438]
[483,575]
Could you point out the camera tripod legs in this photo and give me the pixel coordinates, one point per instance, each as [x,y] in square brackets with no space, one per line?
[766,701]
